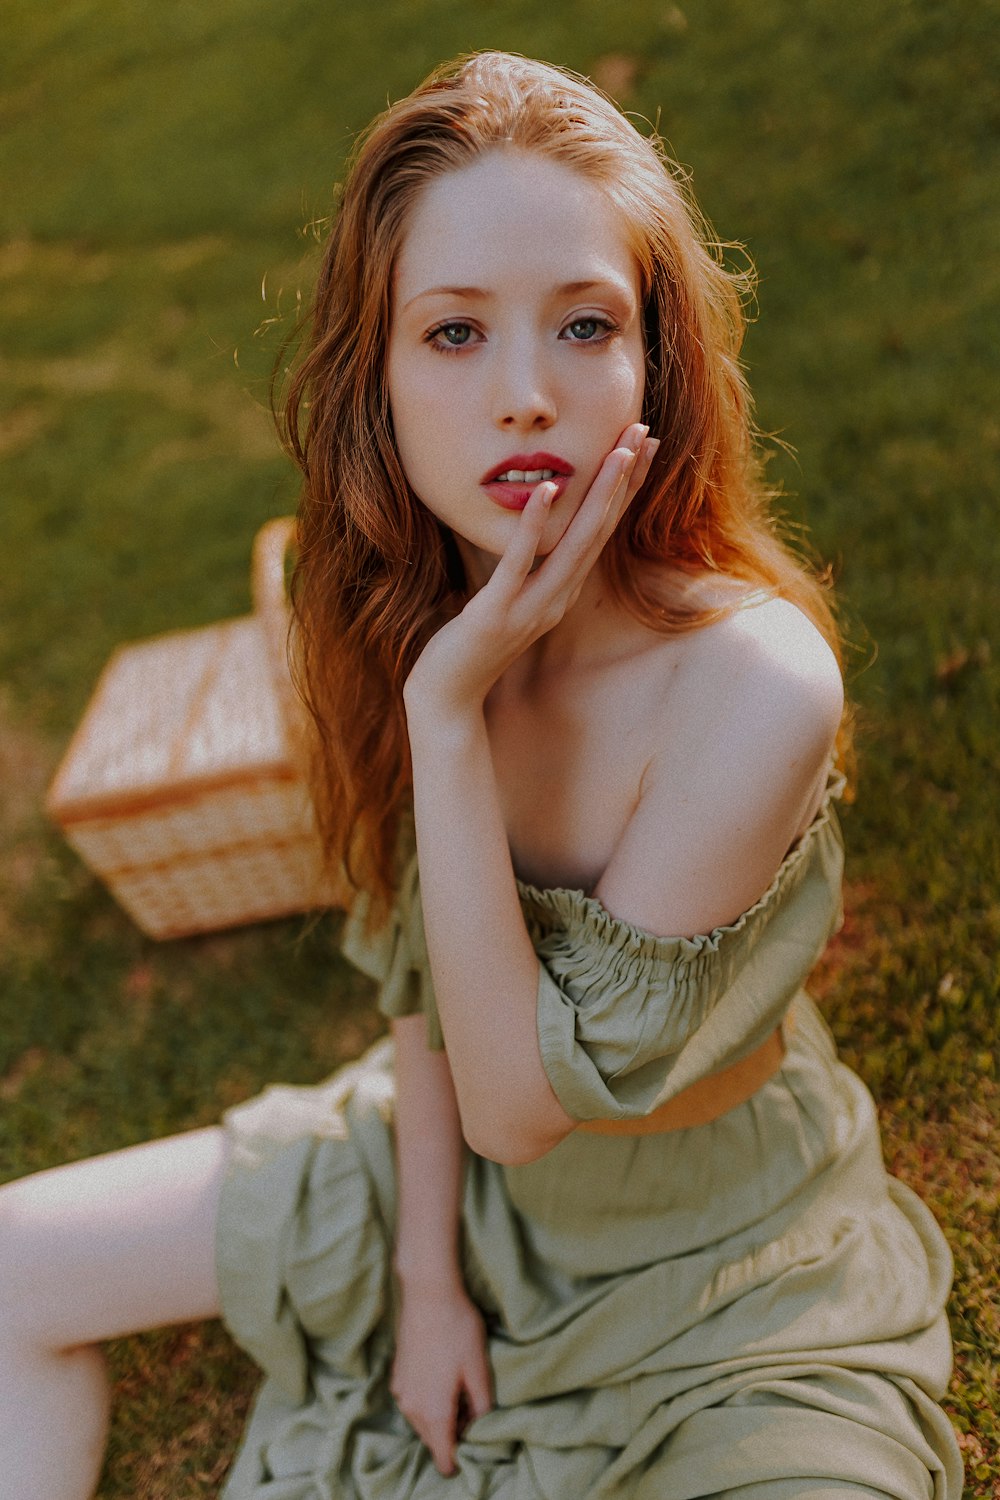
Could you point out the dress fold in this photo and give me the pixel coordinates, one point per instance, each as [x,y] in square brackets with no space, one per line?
[748,1308]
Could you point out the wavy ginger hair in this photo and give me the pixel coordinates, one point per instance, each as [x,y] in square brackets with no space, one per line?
[377,573]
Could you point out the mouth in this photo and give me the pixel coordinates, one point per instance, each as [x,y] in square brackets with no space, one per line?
[512,481]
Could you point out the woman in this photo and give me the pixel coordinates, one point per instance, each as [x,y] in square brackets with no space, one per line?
[604,1217]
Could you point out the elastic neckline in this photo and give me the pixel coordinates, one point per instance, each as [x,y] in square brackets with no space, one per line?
[568,902]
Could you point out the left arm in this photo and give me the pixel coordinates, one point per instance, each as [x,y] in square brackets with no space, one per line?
[486,972]
[485,968]
[440,1356]
[683,865]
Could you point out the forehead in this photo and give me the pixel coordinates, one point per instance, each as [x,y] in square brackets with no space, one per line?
[509,217]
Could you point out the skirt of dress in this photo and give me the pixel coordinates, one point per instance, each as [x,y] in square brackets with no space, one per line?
[752,1308]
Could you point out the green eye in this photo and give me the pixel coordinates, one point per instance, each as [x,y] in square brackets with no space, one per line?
[447,330]
[585,329]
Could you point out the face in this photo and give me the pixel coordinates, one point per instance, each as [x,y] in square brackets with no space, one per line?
[515,345]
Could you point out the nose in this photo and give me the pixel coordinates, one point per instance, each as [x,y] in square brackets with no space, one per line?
[524,396]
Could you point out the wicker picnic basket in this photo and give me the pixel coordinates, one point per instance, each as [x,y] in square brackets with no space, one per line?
[184,786]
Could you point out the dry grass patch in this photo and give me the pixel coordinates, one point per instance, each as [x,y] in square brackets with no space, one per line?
[22,427]
[181,1397]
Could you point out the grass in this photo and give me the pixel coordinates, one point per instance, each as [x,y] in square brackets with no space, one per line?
[160,168]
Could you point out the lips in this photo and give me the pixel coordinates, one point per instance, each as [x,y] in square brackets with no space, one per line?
[526,462]
[525,471]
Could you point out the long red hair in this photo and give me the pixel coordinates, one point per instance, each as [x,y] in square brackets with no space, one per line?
[376,573]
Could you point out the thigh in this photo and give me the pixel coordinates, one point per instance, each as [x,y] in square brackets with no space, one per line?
[816,1434]
[116,1244]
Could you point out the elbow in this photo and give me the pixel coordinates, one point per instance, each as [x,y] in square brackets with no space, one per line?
[514,1123]
[513,1148]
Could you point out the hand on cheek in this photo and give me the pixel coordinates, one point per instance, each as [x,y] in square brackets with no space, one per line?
[617,482]
[526,597]
[635,451]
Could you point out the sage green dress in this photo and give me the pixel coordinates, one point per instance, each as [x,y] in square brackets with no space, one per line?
[751,1308]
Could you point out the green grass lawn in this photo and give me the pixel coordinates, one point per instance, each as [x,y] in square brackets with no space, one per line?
[161,166]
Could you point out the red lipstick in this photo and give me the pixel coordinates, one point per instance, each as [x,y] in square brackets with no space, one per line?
[514,494]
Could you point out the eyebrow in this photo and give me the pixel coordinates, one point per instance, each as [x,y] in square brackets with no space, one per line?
[566,289]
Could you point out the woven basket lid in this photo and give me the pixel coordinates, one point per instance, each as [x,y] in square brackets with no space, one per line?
[191,709]
[172,715]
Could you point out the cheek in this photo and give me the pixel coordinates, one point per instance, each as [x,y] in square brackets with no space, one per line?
[418,394]
[620,395]
[633,377]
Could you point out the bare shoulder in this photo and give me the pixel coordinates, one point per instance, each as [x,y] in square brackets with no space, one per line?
[773,653]
[762,666]
[763,643]
[748,717]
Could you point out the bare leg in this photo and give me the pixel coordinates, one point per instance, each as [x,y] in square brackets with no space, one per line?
[89,1252]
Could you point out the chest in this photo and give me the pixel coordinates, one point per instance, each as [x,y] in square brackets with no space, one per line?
[569,758]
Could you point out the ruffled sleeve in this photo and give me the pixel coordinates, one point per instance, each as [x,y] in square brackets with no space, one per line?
[395,955]
[627,1020]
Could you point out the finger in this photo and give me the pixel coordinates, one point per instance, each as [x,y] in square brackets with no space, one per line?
[616,474]
[435,1428]
[438,1434]
[640,472]
[518,556]
[618,466]
[633,436]
[635,478]
[479,1389]
[635,471]
[587,532]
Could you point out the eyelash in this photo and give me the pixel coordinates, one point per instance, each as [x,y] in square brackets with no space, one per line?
[430,338]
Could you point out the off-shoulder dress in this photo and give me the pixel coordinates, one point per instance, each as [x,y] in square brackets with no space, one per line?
[749,1308]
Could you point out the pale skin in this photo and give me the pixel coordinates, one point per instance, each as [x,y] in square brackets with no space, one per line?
[674,774]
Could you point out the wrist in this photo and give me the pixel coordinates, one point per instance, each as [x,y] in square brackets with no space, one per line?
[436,1279]
[435,716]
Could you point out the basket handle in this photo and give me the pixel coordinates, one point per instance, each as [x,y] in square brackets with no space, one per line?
[270,604]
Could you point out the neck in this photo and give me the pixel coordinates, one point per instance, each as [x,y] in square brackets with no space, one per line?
[591,631]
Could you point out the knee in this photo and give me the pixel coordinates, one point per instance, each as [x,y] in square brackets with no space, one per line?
[15,1289]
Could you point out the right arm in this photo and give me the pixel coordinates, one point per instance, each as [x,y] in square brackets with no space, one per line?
[429,1159]
[441,1340]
